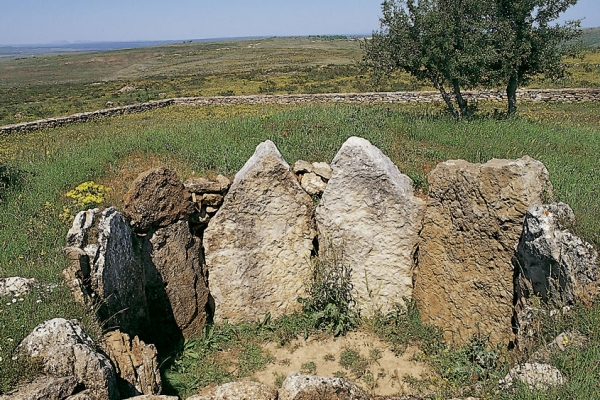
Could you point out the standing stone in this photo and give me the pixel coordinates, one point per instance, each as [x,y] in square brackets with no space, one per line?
[135,362]
[369,215]
[551,263]
[258,245]
[464,279]
[556,263]
[174,279]
[157,199]
[64,350]
[117,277]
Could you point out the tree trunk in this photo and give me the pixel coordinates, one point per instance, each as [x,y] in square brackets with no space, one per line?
[446,97]
[511,94]
[462,103]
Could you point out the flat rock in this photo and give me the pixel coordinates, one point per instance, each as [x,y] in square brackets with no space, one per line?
[156,199]
[219,184]
[534,375]
[370,216]
[175,282]
[302,167]
[135,363]
[238,391]
[322,169]
[44,388]
[259,243]
[16,286]
[474,216]
[310,387]
[65,350]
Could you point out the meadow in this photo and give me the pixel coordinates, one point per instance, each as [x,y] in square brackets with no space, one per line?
[60,84]
[38,169]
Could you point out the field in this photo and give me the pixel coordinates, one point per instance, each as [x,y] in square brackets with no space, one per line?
[52,85]
[37,169]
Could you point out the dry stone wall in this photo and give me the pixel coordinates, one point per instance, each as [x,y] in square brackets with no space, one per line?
[534,95]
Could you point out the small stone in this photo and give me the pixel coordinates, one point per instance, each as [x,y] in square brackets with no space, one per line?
[312,184]
[212,199]
[322,169]
[302,167]
[211,210]
[301,387]
[16,286]
[534,375]
[219,184]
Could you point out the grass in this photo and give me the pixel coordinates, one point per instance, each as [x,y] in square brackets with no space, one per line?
[44,166]
[61,84]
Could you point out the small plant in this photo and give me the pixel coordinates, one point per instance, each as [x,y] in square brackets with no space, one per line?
[88,195]
[330,303]
[308,368]
[251,359]
[329,357]
[351,360]
[279,378]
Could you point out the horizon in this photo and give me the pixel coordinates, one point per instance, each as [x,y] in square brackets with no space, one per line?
[35,23]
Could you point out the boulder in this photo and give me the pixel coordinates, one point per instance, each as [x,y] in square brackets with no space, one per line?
[153,397]
[65,350]
[309,387]
[312,184]
[156,199]
[85,395]
[534,375]
[175,283]
[77,236]
[464,278]
[237,391]
[44,388]
[555,264]
[16,286]
[135,363]
[219,184]
[117,276]
[259,243]
[370,216]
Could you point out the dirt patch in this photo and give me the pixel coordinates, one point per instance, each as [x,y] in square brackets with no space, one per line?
[377,369]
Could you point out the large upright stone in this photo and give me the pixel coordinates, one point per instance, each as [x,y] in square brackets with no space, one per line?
[175,282]
[259,243]
[117,276]
[474,216]
[156,199]
[369,215]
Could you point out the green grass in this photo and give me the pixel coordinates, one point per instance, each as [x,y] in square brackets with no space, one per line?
[54,85]
[47,164]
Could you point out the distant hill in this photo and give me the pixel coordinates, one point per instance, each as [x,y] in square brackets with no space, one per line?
[591,37]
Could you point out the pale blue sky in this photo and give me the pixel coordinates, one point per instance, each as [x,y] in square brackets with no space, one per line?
[46,21]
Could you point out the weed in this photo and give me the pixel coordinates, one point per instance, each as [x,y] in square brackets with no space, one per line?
[330,303]
[252,358]
[351,360]
[329,357]
[279,378]
[308,368]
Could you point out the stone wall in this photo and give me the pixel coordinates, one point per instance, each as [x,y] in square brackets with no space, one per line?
[534,95]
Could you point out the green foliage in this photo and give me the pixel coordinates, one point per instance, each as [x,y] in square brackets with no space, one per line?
[470,43]
[10,177]
[329,303]
[351,360]
[308,368]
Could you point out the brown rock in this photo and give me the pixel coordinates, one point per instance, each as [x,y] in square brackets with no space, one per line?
[175,282]
[473,220]
[219,184]
[157,199]
[135,363]
[212,199]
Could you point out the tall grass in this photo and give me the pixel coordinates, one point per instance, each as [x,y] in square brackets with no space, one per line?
[220,139]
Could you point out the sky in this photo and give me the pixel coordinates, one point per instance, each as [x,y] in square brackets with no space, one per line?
[50,21]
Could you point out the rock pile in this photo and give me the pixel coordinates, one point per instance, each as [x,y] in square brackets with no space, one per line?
[472,257]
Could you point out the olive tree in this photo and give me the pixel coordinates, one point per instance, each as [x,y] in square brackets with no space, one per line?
[462,44]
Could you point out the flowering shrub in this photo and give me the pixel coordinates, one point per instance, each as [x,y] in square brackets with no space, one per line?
[88,195]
